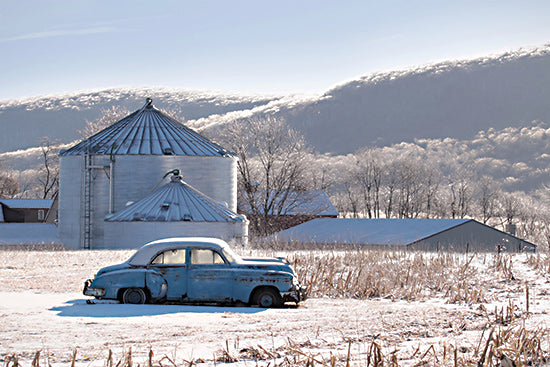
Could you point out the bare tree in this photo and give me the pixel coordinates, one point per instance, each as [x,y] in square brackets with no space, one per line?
[432,182]
[487,196]
[352,199]
[271,166]
[509,207]
[369,177]
[461,194]
[391,181]
[8,186]
[108,117]
[336,176]
[48,175]
[407,181]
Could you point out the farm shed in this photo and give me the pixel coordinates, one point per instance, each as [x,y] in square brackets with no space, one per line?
[458,235]
[299,206]
[124,161]
[24,210]
[172,210]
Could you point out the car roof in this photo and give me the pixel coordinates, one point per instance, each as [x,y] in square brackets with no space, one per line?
[144,255]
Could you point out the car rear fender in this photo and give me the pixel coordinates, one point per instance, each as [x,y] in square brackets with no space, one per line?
[115,281]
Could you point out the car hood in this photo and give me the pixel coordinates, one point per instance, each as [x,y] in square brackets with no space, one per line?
[268,264]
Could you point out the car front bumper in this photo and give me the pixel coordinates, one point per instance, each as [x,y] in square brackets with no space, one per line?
[295,294]
[92,291]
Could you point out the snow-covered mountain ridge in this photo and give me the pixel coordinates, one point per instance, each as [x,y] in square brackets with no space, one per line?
[60,117]
[455,99]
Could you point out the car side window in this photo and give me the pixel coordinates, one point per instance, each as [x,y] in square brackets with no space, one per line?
[205,256]
[176,256]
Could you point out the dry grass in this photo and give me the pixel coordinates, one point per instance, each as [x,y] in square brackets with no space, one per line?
[540,262]
[498,346]
[398,275]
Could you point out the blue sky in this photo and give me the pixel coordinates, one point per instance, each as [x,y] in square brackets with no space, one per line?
[51,47]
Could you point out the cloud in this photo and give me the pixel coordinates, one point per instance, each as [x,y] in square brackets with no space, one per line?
[59,33]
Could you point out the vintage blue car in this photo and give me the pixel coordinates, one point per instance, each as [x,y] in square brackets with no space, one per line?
[196,270]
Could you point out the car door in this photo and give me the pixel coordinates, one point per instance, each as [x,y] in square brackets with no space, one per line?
[172,264]
[210,278]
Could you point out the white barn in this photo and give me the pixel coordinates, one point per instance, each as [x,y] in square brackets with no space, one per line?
[460,235]
[122,163]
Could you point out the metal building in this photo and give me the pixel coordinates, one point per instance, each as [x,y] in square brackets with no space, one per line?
[173,210]
[120,164]
[459,235]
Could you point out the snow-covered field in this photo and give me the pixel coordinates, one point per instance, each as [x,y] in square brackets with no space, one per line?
[43,309]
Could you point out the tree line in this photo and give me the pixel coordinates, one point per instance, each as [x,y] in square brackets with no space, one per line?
[275,163]
[372,182]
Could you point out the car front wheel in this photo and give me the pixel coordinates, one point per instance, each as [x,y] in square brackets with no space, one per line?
[135,296]
[268,297]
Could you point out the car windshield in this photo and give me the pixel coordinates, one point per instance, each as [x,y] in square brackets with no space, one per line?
[132,258]
[230,255]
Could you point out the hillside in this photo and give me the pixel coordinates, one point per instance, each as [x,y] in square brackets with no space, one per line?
[454,99]
[60,117]
[451,99]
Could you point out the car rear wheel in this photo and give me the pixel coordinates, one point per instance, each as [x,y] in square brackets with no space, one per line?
[135,296]
[268,297]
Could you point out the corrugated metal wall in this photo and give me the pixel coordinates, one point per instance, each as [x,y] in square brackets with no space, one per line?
[473,236]
[136,234]
[71,175]
[134,177]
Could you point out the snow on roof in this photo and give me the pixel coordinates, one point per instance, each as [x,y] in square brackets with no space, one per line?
[297,202]
[27,203]
[28,234]
[176,201]
[147,131]
[366,231]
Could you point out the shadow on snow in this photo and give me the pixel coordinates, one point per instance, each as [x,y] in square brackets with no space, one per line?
[79,308]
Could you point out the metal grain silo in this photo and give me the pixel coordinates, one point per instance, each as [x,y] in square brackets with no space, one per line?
[173,210]
[121,164]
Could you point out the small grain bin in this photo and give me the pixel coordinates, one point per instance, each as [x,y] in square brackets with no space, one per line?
[121,164]
[173,210]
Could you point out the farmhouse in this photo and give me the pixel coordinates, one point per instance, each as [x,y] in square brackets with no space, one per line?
[460,235]
[28,222]
[121,164]
[25,210]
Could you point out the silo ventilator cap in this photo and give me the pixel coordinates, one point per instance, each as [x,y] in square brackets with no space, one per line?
[175,172]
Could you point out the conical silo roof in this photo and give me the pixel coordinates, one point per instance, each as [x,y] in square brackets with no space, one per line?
[176,201]
[147,131]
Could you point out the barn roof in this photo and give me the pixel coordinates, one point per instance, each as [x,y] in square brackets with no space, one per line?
[176,201]
[147,131]
[366,231]
[27,203]
[297,202]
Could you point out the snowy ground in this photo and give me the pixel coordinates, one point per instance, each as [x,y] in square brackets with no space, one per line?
[43,309]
